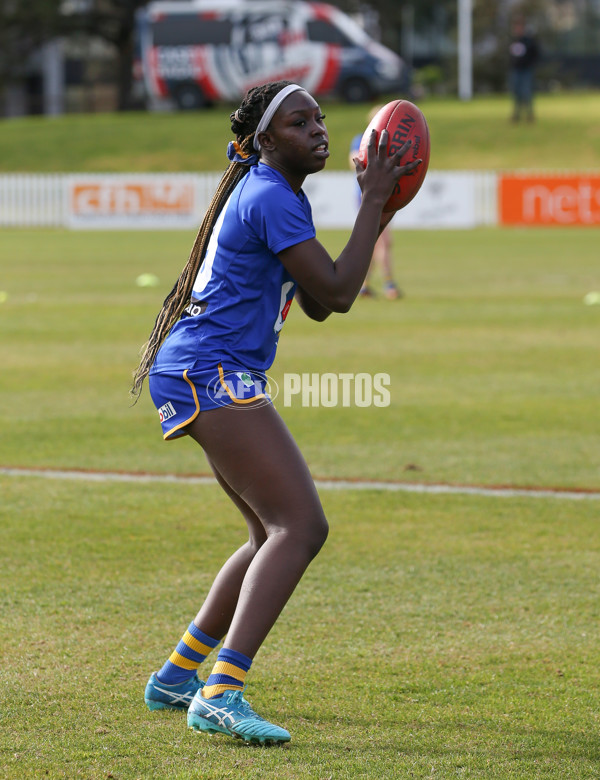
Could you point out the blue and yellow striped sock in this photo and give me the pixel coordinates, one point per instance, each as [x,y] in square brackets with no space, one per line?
[228,673]
[184,661]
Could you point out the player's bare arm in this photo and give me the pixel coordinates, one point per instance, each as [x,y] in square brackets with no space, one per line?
[335,285]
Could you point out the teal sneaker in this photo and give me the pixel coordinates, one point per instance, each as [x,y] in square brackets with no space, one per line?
[231,714]
[171,697]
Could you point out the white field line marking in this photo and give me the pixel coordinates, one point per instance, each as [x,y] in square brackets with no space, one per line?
[324,484]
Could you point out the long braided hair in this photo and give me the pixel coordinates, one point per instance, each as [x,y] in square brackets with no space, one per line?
[244,122]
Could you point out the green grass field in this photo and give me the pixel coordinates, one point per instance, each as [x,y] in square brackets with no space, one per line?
[492,358]
[436,636]
[464,136]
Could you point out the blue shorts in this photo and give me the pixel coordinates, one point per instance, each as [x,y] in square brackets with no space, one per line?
[181,396]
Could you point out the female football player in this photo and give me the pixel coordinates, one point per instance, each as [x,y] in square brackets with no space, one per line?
[213,339]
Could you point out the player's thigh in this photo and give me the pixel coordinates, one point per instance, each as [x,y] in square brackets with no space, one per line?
[254,452]
[255,527]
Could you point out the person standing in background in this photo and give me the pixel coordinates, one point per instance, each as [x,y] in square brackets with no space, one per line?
[524,55]
[382,254]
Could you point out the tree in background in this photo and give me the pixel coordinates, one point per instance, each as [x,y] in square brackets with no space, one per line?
[569,32]
[114,22]
[25,26]
[565,27]
[491,35]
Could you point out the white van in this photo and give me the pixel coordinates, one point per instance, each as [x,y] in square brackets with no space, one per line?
[201,51]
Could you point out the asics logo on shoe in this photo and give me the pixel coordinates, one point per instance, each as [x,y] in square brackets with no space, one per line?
[176,698]
[219,715]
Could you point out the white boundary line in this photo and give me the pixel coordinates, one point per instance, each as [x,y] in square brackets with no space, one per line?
[324,484]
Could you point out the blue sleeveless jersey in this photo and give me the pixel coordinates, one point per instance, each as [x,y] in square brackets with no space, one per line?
[242,292]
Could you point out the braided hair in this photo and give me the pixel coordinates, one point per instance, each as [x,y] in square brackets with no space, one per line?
[244,122]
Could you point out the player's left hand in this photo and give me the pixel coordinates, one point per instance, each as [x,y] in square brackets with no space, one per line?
[379,176]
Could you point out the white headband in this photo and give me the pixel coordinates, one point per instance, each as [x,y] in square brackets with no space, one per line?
[265,119]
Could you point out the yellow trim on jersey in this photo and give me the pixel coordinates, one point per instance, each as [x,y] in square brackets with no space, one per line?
[234,398]
[183,662]
[169,434]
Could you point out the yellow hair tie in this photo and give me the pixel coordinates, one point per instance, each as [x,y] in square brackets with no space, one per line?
[238,149]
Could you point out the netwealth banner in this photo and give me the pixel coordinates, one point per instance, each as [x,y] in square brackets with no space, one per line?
[553,199]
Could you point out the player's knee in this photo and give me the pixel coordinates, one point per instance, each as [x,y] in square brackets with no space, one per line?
[317,535]
[256,541]
[306,531]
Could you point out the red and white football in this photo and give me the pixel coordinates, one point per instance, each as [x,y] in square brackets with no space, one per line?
[404,121]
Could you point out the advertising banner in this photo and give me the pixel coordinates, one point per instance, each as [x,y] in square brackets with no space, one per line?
[145,202]
[446,200]
[553,199]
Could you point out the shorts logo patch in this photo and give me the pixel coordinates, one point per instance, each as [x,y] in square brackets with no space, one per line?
[245,378]
[241,387]
[166,412]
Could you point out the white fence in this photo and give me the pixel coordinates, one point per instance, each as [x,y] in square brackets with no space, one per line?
[34,200]
[458,199]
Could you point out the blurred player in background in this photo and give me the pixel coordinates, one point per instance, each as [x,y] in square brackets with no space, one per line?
[213,339]
[382,254]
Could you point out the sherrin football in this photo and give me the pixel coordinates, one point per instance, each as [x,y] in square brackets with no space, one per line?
[404,121]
